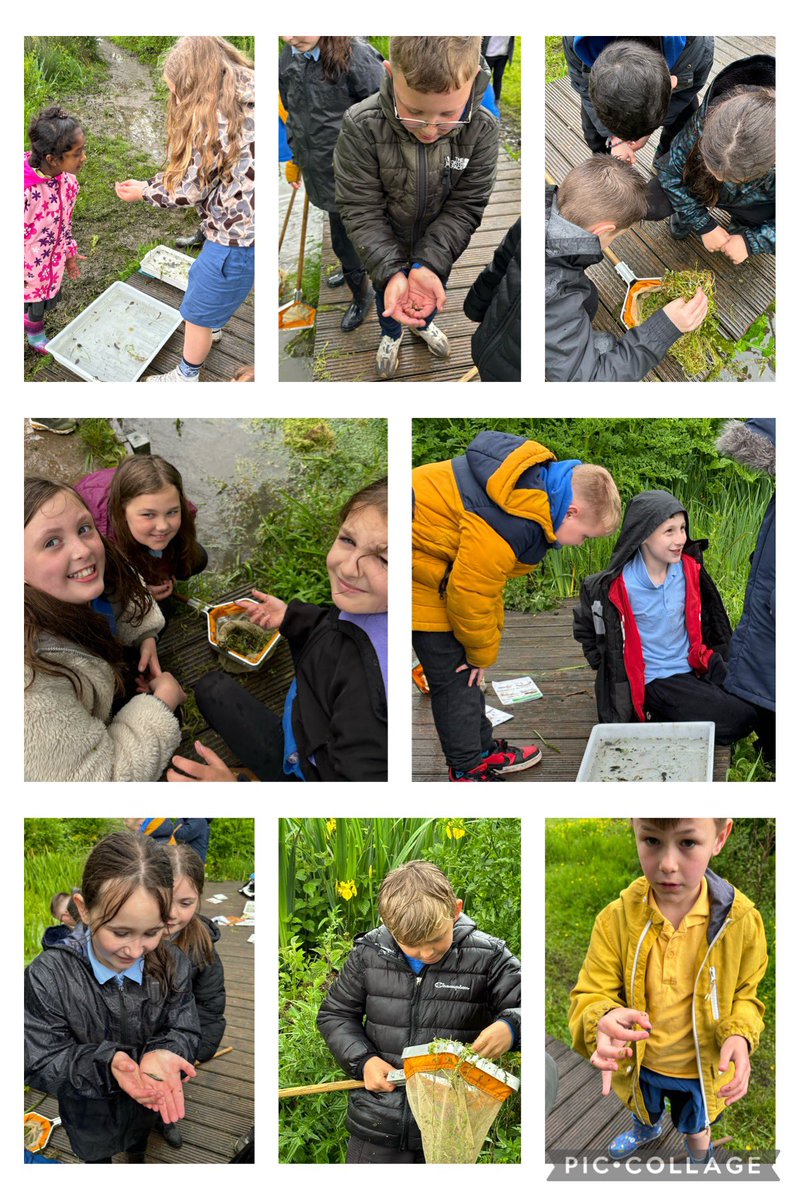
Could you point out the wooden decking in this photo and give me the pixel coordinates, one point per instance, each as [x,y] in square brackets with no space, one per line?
[351,356]
[560,723]
[742,293]
[236,349]
[584,1122]
[220,1103]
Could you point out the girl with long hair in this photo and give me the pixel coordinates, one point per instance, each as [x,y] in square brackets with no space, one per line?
[141,506]
[211,165]
[83,606]
[110,1019]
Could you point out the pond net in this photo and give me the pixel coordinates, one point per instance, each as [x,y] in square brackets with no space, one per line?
[454,1096]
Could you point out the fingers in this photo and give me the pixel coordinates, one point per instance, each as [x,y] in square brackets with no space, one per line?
[187,767]
[208,754]
[262,595]
[607,1082]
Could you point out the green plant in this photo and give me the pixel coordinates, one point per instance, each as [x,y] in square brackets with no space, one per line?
[102,447]
[704,348]
[555,65]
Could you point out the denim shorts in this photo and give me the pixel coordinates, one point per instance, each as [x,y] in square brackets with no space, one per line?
[685,1096]
[220,280]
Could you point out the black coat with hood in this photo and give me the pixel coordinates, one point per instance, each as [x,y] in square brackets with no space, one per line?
[598,623]
[73,1028]
[477,982]
[340,714]
[575,353]
[751,669]
[208,985]
[495,300]
[316,108]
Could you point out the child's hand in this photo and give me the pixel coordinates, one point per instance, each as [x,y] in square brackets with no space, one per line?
[167,688]
[716,239]
[148,659]
[73,270]
[735,1050]
[687,315]
[425,292]
[735,248]
[494,1040]
[476,677]
[213,770]
[624,151]
[166,1067]
[127,1073]
[613,1031]
[374,1076]
[395,300]
[269,613]
[160,591]
[130,189]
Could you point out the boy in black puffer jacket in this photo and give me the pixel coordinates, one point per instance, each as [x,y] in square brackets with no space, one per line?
[426,973]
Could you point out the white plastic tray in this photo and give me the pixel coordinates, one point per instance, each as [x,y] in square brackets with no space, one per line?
[168,264]
[116,338]
[650,752]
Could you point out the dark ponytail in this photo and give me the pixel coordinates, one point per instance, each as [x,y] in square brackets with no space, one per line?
[51,133]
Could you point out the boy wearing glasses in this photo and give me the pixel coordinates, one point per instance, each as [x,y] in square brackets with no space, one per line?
[415,165]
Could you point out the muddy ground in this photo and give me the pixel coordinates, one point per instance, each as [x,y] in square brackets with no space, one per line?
[55,456]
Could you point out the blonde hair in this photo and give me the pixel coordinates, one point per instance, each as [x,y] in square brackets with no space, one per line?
[594,487]
[202,72]
[415,901]
[436,64]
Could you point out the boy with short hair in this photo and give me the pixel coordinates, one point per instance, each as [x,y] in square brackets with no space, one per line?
[426,972]
[415,165]
[673,967]
[598,200]
[479,519]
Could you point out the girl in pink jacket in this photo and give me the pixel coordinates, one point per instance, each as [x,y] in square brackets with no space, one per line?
[57,154]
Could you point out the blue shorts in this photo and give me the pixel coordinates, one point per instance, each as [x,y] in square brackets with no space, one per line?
[685,1097]
[220,280]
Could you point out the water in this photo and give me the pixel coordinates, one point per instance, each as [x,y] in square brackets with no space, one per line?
[207,451]
[669,757]
[297,367]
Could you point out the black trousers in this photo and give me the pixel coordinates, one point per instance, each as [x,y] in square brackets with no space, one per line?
[690,697]
[344,250]
[252,731]
[360,1151]
[497,64]
[463,729]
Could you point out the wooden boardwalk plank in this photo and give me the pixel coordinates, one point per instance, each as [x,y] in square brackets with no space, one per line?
[351,356]
[540,645]
[220,1104]
[743,293]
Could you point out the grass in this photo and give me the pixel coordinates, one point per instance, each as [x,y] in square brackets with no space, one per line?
[588,862]
[556,66]
[153,50]
[102,447]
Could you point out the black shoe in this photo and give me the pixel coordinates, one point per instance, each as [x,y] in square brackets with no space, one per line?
[170,1134]
[194,239]
[678,230]
[362,296]
[336,279]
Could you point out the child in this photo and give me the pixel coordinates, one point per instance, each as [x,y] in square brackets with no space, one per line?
[56,156]
[141,506]
[654,627]
[426,972]
[495,300]
[83,607]
[211,148]
[479,519]
[196,936]
[62,907]
[724,158]
[245,374]
[673,966]
[335,720]
[415,166]
[599,199]
[110,1020]
[193,832]
[320,78]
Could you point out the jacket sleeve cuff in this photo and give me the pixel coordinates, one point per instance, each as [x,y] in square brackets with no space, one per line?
[659,333]
[514,1032]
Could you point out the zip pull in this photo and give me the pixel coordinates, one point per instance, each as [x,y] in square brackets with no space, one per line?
[418,979]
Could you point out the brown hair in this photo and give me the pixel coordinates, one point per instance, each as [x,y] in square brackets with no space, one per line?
[603,188]
[203,73]
[117,866]
[245,374]
[374,495]
[335,55]
[436,64]
[595,487]
[78,623]
[667,823]
[57,898]
[737,143]
[415,900]
[139,475]
[194,938]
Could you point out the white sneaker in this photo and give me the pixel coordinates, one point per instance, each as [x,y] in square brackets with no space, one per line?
[387,356]
[437,342]
[216,335]
[173,376]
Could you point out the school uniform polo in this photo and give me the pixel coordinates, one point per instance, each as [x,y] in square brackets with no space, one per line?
[660,616]
[102,973]
[670,977]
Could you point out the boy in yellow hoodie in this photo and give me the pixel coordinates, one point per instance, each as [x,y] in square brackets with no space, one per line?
[673,968]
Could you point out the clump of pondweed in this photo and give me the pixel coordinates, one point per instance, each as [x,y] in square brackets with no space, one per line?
[698,351]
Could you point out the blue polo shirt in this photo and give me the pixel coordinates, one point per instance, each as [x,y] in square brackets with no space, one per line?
[102,973]
[660,615]
[314,54]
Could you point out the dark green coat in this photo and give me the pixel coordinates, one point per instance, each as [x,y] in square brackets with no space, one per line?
[404,202]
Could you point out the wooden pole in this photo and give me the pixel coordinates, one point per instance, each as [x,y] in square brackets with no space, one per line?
[314,1089]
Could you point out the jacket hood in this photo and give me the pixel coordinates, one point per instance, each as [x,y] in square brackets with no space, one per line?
[32,177]
[513,470]
[387,98]
[644,513]
[752,443]
[568,243]
[724,900]
[211,926]
[590,48]
[758,71]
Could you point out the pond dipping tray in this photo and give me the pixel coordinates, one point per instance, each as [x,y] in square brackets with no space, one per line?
[116,338]
[650,752]
[169,265]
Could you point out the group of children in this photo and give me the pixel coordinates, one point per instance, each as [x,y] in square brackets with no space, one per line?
[402,155]
[210,166]
[99,558]
[120,1008]
[652,625]
[717,154]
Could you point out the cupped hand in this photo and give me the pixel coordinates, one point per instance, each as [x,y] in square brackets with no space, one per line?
[130,189]
[624,151]
[735,1050]
[269,612]
[687,315]
[212,770]
[477,674]
[736,248]
[160,591]
[395,298]
[425,293]
[163,1068]
[128,1075]
[374,1076]
[494,1040]
[716,239]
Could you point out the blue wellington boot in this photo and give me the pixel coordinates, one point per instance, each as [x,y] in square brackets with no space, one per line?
[627,1143]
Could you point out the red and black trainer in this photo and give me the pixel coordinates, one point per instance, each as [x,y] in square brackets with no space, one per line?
[505,759]
[482,773]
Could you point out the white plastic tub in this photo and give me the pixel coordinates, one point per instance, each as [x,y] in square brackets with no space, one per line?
[168,264]
[116,338]
[651,752]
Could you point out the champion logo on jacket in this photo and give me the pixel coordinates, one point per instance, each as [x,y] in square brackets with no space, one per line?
[455,987]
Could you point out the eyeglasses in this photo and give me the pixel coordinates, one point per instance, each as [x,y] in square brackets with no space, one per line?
[442,126]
